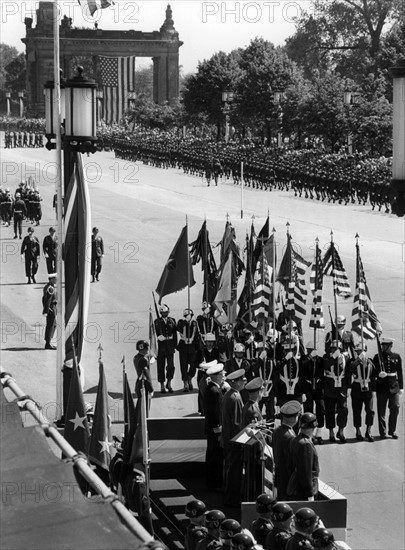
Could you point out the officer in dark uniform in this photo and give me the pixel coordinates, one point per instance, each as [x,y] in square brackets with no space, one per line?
[314,388]
[344,336]
[290,374]
[49,246]
[49,303]
[19,213]
[213,520]
[281,441]
[30,250]
[281,517]
[187,347]
[167,341]
[97,253]
[251,411]
[389,384]
[304,524]
[213,427]
[141,364]
[262,526]
[195,530]
[232,406]
[364,375]
[303,484]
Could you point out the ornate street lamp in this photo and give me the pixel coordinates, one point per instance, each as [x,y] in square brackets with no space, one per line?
[50,105]
[81,114]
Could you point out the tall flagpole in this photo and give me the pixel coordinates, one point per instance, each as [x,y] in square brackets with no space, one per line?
[241,190]
[206,261]
[60,353]
[360,303]
[188,267]
[316,279]
[274,291]
[334,285]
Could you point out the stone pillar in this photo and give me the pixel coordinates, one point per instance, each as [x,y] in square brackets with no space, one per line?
[160,79]
[172,77]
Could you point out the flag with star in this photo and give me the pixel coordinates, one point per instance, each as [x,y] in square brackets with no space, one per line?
[76,431]
[100,441]
[118,80]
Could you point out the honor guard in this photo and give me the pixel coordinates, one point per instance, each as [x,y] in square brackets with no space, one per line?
[49,303]
[187,347]
[304,524]
[213,520]
[266,363]
[232,406]
[213,427]
[206,323]
[49,247]
[364,375]
[30,251]
[314,388]
[207,354]
[289,372]
[281,517]
[196,530]
[336,383]
[389,385]
[251,411]
[281,441]
[225,342]
[345,337]
[167,341]
[141,364]
[262,526]
[303,484]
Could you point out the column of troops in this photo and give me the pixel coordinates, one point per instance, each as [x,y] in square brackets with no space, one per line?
[13,139]
[25,204]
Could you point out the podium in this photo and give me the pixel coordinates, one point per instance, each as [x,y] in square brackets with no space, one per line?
[258,464]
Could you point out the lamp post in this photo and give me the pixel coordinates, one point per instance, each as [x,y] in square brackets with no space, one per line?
[398,134]
[21,99]
[350,99]
[277,99]
[8,97]
[78,110]
[227,98]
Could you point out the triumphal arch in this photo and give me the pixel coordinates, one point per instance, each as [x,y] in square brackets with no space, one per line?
[162,46]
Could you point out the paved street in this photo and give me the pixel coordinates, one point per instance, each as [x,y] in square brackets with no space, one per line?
[140,212]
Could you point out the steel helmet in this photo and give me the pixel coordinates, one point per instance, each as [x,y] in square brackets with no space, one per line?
[214,518]
[264,503]
[305,517]
[195,508]
[321,538]
[242,541]
[229,528]
[281,512]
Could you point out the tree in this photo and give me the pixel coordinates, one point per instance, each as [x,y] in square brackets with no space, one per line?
[16,74]
[7,54]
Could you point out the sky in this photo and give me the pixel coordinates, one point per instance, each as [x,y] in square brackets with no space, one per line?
[205,27]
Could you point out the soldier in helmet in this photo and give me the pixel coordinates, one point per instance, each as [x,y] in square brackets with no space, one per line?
[187,347]
[228,529]
[196,530]
[213,520]
[304,524]
[281,517]
[243,541]
[167,341]
[336,383]
[49,304]
[19,213]
[261,526]
[363,388]
[343,336]
[206,322]
[323,538]
[303,484]
[314,388]
[208,353]
[290,379]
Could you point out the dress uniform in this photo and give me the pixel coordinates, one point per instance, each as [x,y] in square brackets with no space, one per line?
[313,375]
[290,375]
[49,303]
[206,322]
[251,411]
[232,406]
[343,336]
[195,530]
[142,370]
[281,516]
[166,334]
[49,247]
[262,526]
[19,213]
[304,460]
[97,253]
[31,250]
[187,347]
[389,387]
[213,427]
[364,375]
[336,383]
[281,441]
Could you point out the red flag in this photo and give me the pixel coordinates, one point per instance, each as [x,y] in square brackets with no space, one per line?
[100,441]
[178,271]
[76,426]
[76,258]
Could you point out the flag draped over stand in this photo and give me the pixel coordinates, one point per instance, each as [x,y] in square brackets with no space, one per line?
[77,257]
[364,318]
[178,271]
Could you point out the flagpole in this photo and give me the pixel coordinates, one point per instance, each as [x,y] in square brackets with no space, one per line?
[59,209]
[290,319]
[334,284]
[206,261]
[316,289]
[274,290]
[241,190]
[188,268]
[360,302]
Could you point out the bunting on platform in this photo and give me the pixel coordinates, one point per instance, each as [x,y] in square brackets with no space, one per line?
[100,441]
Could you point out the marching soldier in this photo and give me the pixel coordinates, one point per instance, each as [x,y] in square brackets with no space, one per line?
[196,530]
[389,385]
[262,526]
[313,388]
[19,213]
[49,247]
[6,207]
[364,375]
[97,253]
[167,341]
[213,427]
[49,303]
[187,347]
[337,381]
[281,517]
[232,406]
[30,250]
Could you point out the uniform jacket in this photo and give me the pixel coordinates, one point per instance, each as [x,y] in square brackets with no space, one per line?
[304,461]
[337,376]
[345,337]
[232,406]
[213,410]
[282,437]
[49,246]
[49,299]
[251,413]
[97,246]
[277,539]
[19,209]
[167,328]
[260,528]
[363,375]
[313,376]
[207,324]
[289,378]
[143,372]
[188,335]
[30,247]
[392,365]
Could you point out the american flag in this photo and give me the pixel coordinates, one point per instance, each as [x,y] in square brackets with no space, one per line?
[262,290]
[292,276]
[77,222]
[364,317]
[316,285]
[332,265]
[118,79]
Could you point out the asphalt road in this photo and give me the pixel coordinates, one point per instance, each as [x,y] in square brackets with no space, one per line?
[140,211]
